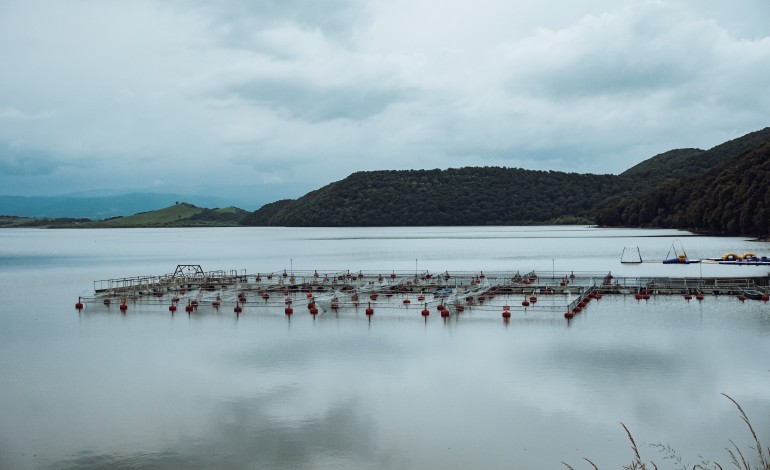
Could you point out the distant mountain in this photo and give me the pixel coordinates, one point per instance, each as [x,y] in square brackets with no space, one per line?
[99,207]
[177,215]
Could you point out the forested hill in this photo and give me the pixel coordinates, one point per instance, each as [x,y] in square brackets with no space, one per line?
[465,196]
[508,196]
[732,198]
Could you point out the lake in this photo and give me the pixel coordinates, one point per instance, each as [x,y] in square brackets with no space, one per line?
[98,389]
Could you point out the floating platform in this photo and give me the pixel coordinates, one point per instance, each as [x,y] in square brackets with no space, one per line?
[677,255]
[190,287]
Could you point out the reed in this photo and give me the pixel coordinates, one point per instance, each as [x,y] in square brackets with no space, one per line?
[740,459]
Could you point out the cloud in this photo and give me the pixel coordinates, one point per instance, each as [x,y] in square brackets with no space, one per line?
[310,102]
[239,22]
[305,93]
[24,162]
[13,114]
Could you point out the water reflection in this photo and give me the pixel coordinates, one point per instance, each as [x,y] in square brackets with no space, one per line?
[149,389]
[245,434]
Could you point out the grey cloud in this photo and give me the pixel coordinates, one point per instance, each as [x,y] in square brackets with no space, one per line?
[634,52]
[241,18]
[315,103]
[606,72]
[268,88]
[24,162]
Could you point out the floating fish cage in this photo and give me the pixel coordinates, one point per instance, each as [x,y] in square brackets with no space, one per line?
[191,288]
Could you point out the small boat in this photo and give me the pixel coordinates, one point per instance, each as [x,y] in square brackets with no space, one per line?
[747,259]
[680,256]
[681,259]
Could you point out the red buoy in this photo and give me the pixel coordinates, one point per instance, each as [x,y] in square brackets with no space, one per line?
[765,297]
[407,301]
[172,308]
[440,307]
[525,303]
[688,297]
[569,315]
[288,310]
[425,312]
[369,310]
[237,308]
[107,302]
[123,307]
[444,313]
[420,297]
[460,308]
[79,304]
[533,299]
[314,310]
[699,296]
[506,314]
[373,296]
[188,308]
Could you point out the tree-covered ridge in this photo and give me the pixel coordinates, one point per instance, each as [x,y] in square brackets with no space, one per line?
[508,196]
[464,196]
[674,164]
[722,190]
[732,198]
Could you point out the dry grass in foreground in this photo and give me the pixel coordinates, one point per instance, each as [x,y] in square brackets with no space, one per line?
[739,458]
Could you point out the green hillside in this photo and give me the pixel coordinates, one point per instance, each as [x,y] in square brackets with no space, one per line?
[501,196]
[464,196]
[732,198]
[721,190]
[169,216]
[178,215]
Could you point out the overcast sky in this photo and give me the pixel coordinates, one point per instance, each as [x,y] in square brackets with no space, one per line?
[289,95]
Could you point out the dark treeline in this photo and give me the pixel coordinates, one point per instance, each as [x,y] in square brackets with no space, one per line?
[732,198]
[724,190]
[465,196]
[684,188]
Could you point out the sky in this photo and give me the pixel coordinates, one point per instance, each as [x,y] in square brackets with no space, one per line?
[274,98]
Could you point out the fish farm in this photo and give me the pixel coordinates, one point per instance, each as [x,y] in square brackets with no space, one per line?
[446,293]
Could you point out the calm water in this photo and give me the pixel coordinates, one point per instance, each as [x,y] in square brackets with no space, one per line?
[150,390]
